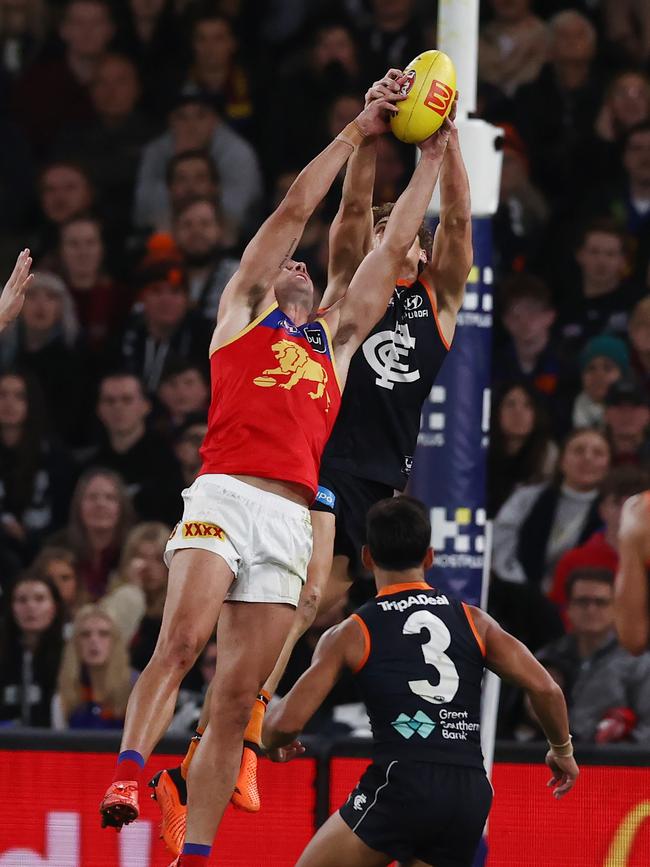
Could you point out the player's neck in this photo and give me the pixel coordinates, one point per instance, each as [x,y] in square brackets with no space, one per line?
[385,578]
[297,313]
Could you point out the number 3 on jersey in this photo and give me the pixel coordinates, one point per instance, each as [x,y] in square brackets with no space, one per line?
[434,654]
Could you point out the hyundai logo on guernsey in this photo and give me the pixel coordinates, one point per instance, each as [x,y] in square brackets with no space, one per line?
[326,497]
[408,726]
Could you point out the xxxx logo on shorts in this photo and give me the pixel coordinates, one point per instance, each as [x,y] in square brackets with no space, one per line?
[202,530]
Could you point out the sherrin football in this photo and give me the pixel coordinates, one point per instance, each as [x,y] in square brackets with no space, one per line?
[430,87]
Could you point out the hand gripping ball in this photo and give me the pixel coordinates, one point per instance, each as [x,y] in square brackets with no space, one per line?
[430,87]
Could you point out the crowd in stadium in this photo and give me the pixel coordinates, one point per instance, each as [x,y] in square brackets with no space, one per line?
[142,143]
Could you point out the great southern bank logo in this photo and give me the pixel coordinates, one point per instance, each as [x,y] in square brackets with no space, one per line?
[419,724]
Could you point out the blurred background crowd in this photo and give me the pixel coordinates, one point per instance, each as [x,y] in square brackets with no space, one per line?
[141,144]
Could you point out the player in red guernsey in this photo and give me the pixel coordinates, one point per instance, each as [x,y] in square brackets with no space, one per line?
[245,536]
[632,600]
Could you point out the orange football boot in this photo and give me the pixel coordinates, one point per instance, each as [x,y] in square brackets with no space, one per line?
[170,793]
[246,796]
[120,804]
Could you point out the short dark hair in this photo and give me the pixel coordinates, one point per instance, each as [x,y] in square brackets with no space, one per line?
[121,373]
[588,573]
[603,226]
[176,366]
[398,531]
[519,287]
[186,204]
[193,154]
[425,236]
[623,482]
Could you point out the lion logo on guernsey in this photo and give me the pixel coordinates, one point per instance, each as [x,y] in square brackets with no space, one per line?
[294,361]
[202,530]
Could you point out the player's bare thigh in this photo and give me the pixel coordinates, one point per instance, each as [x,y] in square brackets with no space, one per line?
[336,844]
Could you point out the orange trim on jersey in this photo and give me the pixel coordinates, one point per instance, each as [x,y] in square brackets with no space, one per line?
[330,344]
[434,307]
[470,620]
[248,327]
[410,585]
[366,642]
[405,282]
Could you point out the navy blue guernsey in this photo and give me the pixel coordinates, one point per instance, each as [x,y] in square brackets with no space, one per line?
[390,376]
[421,680]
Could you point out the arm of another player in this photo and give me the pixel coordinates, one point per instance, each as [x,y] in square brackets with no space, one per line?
[341,646]
[631,586]
[511,660]
[373,284]
[13,294]
[351,231]
[452,254]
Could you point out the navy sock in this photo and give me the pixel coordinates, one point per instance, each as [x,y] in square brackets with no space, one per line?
[195,855]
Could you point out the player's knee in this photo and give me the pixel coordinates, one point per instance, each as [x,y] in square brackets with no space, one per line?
[179,650]
[232,705]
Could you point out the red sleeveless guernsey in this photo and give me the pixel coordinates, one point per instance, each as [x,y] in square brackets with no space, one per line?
[275,397]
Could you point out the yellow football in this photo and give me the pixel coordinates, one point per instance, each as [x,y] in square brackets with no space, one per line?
[430,87]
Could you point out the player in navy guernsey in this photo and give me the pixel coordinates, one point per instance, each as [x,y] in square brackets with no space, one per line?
[419,657]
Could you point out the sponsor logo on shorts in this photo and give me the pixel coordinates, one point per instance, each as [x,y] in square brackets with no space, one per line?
[326,497]
[439,97]
[202,530]
[408,726]
[417,599]
[359,801]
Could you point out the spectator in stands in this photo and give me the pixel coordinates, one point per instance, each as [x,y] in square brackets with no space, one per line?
[101,303]
[55,92]
[639,332]
[44,342]
[513,45]
[31,643]
[65,191]
[23,29]
[59,565]
[528,354]
[393,36]
[166,330]
[190,702]
[216,71]
[194,123]
[183,392]
[603,361]
[191,175]
[627,24]
[142,458]
[601,549]
[35,471]
[603,299]
[100,515]
[556,113]
[627,103]
[110,144]
[199,233]
[189,439]
[627,419]
[137,596]
[607,689]
[521,451]
[95,679]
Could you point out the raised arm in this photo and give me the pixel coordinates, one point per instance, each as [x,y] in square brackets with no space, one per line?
[511,660]
[13,294]
[340,646]
[451,258]
[631,587]
[351,231]
[372,285]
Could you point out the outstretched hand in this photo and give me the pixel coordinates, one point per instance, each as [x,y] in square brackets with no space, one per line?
[437,143]
[285,754]
[390,85]
[380,103]
[13,294]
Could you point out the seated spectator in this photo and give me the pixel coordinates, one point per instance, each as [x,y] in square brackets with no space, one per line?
[199,233]
[100,515]
[538,523]
[191,175]
[521,451]
[166,329]
[603,361]
[190,702]
[528,354]
[31,643]
[523,210]
[183,392]
[194,123]
[54,92]
[215,70]
[601,549]
[44,342]
[604,297]
[639,333]
[513,45]
[189,439]
[142,458]
[101,303]
[607,689]
[24,30]
[627,417]
[95,679]
[110,144]
[35,470]
[65,191]
[137,594]
[59,565]
[627,103]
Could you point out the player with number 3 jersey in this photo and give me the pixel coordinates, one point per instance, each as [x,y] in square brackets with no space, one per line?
[419,657]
